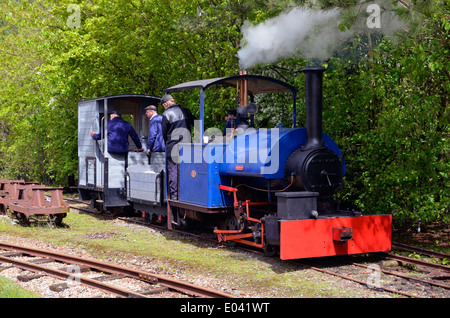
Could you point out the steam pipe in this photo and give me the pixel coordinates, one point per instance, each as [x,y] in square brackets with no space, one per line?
[313,100]
[243,89]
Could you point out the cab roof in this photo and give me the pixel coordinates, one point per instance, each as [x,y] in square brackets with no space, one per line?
[256,84]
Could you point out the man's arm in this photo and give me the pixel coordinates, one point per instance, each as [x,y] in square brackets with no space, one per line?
[135,138]
[152,132]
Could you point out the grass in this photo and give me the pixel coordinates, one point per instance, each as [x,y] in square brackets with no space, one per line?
[110,240]
[9,289]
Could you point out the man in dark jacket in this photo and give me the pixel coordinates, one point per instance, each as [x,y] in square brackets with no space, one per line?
[155,142]
[180,119]
[231,122]
[118,131]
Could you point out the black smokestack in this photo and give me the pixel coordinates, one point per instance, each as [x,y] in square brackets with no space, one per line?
[313,96]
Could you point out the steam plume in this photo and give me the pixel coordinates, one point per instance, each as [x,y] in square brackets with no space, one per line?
[311,34]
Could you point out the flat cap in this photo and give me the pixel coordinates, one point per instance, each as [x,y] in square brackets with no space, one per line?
[166,98]
[151,107]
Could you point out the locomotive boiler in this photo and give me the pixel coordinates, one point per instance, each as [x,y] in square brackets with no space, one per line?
[271,188]
[303,158]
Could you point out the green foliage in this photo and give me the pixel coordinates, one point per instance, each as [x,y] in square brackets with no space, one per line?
[385,99]
[390,114]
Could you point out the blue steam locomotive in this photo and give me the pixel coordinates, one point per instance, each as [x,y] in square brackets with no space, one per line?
[268,188]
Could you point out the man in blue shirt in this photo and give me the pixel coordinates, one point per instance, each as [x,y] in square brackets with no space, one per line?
[155,142]
[118,132]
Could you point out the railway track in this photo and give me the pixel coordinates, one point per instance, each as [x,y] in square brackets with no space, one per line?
[419,250]
[411,283]
[372,275]
[74,265]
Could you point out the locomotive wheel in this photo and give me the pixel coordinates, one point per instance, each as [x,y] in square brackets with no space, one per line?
[270,250]
[151,218]
[231,223]
[182,223]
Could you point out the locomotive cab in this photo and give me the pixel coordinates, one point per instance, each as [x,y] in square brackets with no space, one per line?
[103,176]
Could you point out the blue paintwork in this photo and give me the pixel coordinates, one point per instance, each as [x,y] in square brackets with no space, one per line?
[200,178]
[249,158]
[204,167]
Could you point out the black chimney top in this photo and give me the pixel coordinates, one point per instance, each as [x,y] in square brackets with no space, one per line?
[313,97]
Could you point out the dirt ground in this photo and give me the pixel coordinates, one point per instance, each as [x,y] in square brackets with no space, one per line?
[435,236]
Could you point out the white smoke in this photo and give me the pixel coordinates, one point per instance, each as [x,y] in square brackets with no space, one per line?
[311,34]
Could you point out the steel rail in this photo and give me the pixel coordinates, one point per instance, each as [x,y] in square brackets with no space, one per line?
[420,250]
[184,287]
[364,283]
[417,262]
[403,276]
[65,275]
